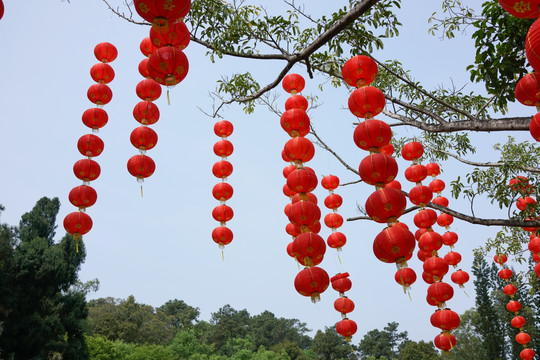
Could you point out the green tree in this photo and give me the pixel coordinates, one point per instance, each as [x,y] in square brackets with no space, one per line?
[412,350]
[41,313]
[385,343]
[469,343]
[228,324]
[267,330]
[329,345]
[182,315]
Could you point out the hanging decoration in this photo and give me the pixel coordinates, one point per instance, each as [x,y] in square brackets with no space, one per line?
[333,220]
[345,327]
[78,223]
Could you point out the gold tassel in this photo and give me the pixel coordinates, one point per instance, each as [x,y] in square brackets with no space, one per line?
[168,98]
[141,192]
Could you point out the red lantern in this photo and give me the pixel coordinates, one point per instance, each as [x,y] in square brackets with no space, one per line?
[146,46]
[505,274]
[293,83]
[405,277]
[367,102]
[394,184]
[295,122]
[222,235]
[418,233]
[437,185]
[534,244]
[460,277]
[1,9]
[143,138]
[77,223]
[162,13]
[299,149]
[222,191]
[440,200]
[82,196]
[513,306]
[148,90]
[105,52]
[412,151]
[288,192]
[500,258]
[386,205]
[520,184]
[387,149]
[312,282]
[528,89]
[532,44]
[86,170]
[168,65]
[336,240]
[534,127]
[176,35]
[333,201]
[420,195]
[445,220]
[99,94]
[537,270]
[344,305]
[222,213]
[425,218]
[287,170]
[223,148]
[291,230]
[453,258]
[146,112]
[143,68]
[523,338]
[90,145]
[341,283]
[302,180]
[102,73]
[378,169]
[95,118]
[510,289]
[309,249]
[223,128]
[527,354]
[430,241]
[440,292]
[222,169]
[523,202]
[518,322]
[304,213]
[330,182]
[372,134]
[449,238]
[359,71]
[346,328]
[433,169]
[416,173]
[445,341]
[436,266]
[394,245]
[289,250]
[428,279]
[304,196]
[333,220]
[296,102]
[445,319]
[141,166]
[527,9]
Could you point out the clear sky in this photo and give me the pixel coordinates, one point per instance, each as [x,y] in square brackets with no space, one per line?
[159,247]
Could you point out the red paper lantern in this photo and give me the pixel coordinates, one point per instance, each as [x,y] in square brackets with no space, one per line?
[341,283]
[162,13]
[102,73]
[372,134]
[460,277]
[500,258]
[95,118]
[527,9]
[440,200]
[288,192]
[449,238]
[309,249]
[534,127]
[223,148]
[534,244]
[367,102]
[146,112]
[82,196]
[359,71]
[436,266]
[304,213]
[416,173]
[177,35]
[222,235]
[445,341]
[453,258]
[295,122]
[99,94]
[420,195]
[419,232]
[330,182]
[222,169]
[168,65]
[386,205]
[518,322]
[532,45]
[296,102]
[304,196]
[77,223]
[430,241]
[143,68]
[433,169]
[289,250]
[148,90]
[394,245]
[302,180]
[405,277]
[293,83]
[299,149]
[333,220]
[223,128]
[445,220]
[412,151]
[146,46]
[505,274]
[90,145]
[222,213]
[428,279]
[288,169]
[291,230]
[510,289]
[377,169]
[346,328]
[86,170]
[387,149]
[333,201]
[523,202]
[222,191]
[528,89]
[440,292]
[513,306]
[520,184]
[344,305]
[523,338]
[336,240]
[527,354]
[425,218]
[394,184]
[437,185]
[445,319]
[312,282]
[105,52]
[143,138]
[141,166]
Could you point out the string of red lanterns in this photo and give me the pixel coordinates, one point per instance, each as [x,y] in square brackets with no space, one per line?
[222,191]
[308,246]
[78,223]
[345,327]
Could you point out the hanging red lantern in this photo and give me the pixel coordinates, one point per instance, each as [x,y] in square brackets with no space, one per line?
[420,195]
[523,202]
[419,232]
[372,134]
[295,122]
[521,184]
[289,250]
[344,305]
[95,118]
[222,235]
[437,185]
[528,89]
[527,354]
[148,90]
[430,241]
[222,213]
[436,266]
[176,35]
[346,328]
[162,13]
[102,73]
[296,102]
[222,191]
[146,112]
[302,180]
[304,213]
[1,9]
[90,145]
[537,270]
[99,94]
[222,169]
[309,249]
[394,245]
[143,68]
[299,149]
[359,71]
[386,205]
[333,220]
[532,45]
[146,46]
[453,258]
[505,274]
[168,66]
[336,240]
[304,196]
[518,322]
[500,258]
[82,196]
[333,201]
[86,170]
[423,255]
[405,277]
[143,138]
[312,282]
[513,306]
[287,170]
[341,283]
[440,200]
[445,341]
[367,102]
[425,218]
[141,166]
[288,192]
[510,289]
[291,230]
[460,277]
[449,238]
[105,52]
[428,279]
[387,149]
[534,244]
[534,127]
[445,220]
[77,223]
[293,83]
[440,292]
[416,173]
[330,182]
[223,148]
[412,151]
[523,338]
[377,169]
[223,128]
[527,9]
[433,169]
[445,319]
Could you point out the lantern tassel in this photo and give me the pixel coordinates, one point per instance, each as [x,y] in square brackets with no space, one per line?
[222,255]
[141,192]
[77,245]
[339,258]
[410,297]
[466,293]
[168,98]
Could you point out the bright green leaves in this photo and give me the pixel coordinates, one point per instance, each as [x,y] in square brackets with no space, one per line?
[240,86]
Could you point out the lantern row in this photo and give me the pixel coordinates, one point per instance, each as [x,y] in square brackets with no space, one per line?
[79,223]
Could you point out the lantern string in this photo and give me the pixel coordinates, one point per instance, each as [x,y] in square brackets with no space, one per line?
[168,98]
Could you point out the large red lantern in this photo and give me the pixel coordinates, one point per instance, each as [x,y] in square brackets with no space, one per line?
[394,244]
[527,354]
[168,65]
[162,13]
[293,83]
[445,341]
[528,89]
[359,71]
[146,112]
[440,292]
[105,52]
[420,195]
[176,35]
[416,173]
[141,166]
[304,213]
[296,102]
[523,338]
[372,134]
[513,306]
[309,249]
[302,180]
[295,122]
[312,282]
[86,170]
[386,205]
[299,149]
[430,241]
[367,102]
[445,319]
[425,218]
[377,169]
[412,151]
[346,328]
[436,267]
[341,283]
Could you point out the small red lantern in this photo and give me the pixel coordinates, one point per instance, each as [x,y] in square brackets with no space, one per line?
[102,73]
[412,151]
[82,196]
[425,218]
[372,134]
[222,191]
[105,52]
[433,169]
[90,145]
[453,258]
[148,90]
[333,220]
[440,200]
[513,306]
[299,149]
[141,166]
[523,338]
[394,245]
[330,182]
[460,277]
[293,83]
[359,71]
[162,13]
[333,201]
[420,195]
[430,241]
[143,138]
[99,94]
[86,170]
[523,202]
[387,149]
[95,118]
[223,148]
[377,169]
[520,184]
[445,319]
[445,341]
[386,205]
[416,173]
[505,274]
[527,354]
[77,223]
[304,213]
[143,68]
[341,283]
[436,266]
[296,102]
[309,249]
[528,89]
[222,213]
[437,185]
[222,169]
[440,292]
[344,305]
[518,322]
[146,46]
[312,282]
[367,102]
[223,128]
[500,258]
[449,238]
[405,277]
[176,35]
[295,122]
[168,65]
[302,180]
[445,220]
[336,240]
[146,112]
[346,328]
[222,235]
[419,232]
[510,289]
